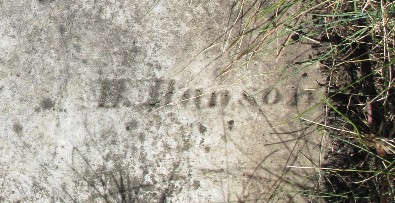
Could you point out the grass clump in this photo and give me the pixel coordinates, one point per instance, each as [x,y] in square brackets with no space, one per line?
[356,53]
[354,43]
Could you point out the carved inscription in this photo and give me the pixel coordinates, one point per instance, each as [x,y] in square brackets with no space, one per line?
[170,91]
[198,98]
[113,93]
[186,97]
[225,98]
[213,100]
[154,94]
[274,96]
[271,96]
[300,96]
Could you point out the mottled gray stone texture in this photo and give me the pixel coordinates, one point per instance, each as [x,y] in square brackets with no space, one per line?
[135,101]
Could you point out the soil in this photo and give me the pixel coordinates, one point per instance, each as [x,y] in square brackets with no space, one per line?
[351,87]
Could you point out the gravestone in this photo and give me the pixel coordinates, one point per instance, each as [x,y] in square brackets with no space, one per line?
[143,101]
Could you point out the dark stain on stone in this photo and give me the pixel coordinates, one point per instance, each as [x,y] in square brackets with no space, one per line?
[202,141]
[135,49]
[47,104]
[77,47]
[185,141]
[62,30]
[127,103]
[17,127]
[141,138]
[196,184]
[212,171]
[46,1]
[202,129]
[207,149]
[37,109]
[128,56]
[125,59]
[295,37]
[132,125]
[231,123]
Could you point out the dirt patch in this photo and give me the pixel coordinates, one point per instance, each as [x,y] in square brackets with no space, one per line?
[361,102]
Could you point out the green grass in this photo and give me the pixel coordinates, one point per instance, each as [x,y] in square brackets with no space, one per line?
[354,41]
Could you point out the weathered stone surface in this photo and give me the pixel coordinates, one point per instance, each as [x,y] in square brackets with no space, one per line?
[111,101]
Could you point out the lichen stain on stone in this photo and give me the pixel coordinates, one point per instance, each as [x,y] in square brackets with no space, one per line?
[17,128]
[47,104]
[202,129]
[132,125]
[231,124]
[62,30]
[196,184]
[128,56]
